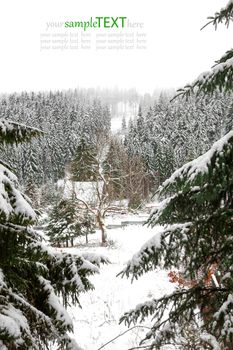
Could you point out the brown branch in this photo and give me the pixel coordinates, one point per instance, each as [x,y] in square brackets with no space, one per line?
[85,203]
[120,335]
[113,209]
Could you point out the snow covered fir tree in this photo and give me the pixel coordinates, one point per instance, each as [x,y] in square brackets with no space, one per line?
[67,222]
[34,278]
[84,166]
[195,244]
[97,164]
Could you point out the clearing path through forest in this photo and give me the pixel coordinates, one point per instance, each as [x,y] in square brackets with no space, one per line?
[98,320]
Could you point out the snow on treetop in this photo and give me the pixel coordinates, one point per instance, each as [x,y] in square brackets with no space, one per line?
[199,165]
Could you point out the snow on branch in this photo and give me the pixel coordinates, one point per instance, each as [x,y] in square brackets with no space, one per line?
[95,259]
[13,321]
[200,165]
[157,307]
[60,275]
[2,283]
[211,340]
[219,77]
[158,212]
[151,253]
[12,201]
[224,316]
[225,14]
[11,132]
[55,304]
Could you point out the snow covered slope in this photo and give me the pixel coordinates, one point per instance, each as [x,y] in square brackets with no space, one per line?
[97,322]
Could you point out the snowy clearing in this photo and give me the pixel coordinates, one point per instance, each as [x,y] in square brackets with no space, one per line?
[97,322]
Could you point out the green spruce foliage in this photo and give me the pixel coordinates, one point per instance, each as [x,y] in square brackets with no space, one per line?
[84,166]
[221,74]
[68,221]
[34,278]
[113,169]
[195,242]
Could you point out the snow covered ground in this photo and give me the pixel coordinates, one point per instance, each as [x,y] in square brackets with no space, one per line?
[97,322]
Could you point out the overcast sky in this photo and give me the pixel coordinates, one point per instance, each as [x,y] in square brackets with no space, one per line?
[176,50]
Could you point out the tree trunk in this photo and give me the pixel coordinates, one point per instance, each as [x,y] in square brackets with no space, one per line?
[101,225]
[86,238]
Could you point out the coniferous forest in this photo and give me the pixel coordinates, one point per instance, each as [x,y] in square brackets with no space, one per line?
[86,205]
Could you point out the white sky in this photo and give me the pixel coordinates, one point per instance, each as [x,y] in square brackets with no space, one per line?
[177,51]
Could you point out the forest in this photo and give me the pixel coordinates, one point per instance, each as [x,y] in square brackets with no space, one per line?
[86,176]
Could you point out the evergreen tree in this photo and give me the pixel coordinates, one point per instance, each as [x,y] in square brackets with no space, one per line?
[164,159]
[95,165]
[33,276]
[64,117]
[221,75]
[171,134]
[33,192]
[196,239]
[87,223]
[113,168]
[68,222]
[197,242]
[84,166]
[123,125]
[63,226]
[136,181]
[229,118]
[140,111]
